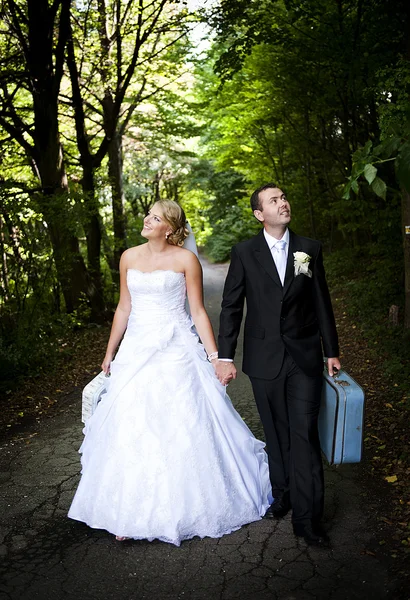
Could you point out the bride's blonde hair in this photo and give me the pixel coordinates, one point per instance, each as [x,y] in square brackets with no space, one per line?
[176,219]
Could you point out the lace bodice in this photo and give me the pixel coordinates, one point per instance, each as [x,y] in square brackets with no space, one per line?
[157,297]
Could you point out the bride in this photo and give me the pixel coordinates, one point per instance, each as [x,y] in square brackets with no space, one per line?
[165,455]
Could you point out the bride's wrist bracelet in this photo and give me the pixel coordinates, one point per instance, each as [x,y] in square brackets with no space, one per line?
[212,356]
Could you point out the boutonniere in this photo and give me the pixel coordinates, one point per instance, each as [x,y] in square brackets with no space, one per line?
[301,263]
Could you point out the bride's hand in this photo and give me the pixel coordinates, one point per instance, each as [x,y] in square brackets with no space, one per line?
[105,365]
[225,371]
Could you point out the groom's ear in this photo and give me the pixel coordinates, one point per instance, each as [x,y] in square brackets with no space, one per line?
[259,215]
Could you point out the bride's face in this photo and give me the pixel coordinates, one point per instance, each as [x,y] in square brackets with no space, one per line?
[155,226]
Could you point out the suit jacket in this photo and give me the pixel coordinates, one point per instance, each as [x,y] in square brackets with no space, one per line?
[296,317]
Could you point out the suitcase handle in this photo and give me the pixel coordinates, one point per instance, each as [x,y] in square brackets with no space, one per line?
[336,375]
[341,382]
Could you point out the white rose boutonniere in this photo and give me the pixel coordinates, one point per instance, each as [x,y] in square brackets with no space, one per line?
[301,263]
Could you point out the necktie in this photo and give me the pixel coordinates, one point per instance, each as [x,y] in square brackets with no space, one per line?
[280,259]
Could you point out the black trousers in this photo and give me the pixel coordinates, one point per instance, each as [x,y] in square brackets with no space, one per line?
[288,407]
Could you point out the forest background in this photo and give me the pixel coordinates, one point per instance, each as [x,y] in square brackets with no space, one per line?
[108,105]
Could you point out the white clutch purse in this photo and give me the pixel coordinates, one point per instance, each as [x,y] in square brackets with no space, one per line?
[92,394]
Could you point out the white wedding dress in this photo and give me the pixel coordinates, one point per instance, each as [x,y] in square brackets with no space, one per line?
[165,455]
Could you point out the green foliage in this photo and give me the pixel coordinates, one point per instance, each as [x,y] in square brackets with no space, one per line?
[239,224]
[367,161]
[371,280]
[287,93]
[305,84]
[33,328]
[35,343]
[403,165]
[372,276]
[394,117]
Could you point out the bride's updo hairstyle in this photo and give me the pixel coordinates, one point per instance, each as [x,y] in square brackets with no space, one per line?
[176,219]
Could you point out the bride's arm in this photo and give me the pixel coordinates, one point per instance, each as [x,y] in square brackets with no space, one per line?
[121,315]
[194,285]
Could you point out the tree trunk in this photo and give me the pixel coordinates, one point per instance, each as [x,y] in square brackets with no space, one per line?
[309,175]
[13,235]
[4,284]
[117,193]
[155,185]
[89,165]
[107,249]
[42,65]
[309,198]
[406,248]
[93,235]
[113,133]
[70,266]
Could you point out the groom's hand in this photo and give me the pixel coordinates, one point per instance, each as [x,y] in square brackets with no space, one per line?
[333,363]
[225,371]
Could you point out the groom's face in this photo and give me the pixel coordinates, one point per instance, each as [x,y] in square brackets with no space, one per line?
[275,209]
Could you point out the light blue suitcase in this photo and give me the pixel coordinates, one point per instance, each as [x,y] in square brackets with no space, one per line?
[341,419]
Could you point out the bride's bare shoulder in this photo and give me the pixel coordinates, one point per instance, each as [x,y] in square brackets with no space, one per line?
[188,259]
[131,255]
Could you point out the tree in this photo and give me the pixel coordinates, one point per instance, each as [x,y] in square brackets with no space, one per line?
[297,97]
[369,161]
[34,37]
[105,93]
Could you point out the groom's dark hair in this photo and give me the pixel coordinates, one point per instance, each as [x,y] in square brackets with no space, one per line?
[255,201]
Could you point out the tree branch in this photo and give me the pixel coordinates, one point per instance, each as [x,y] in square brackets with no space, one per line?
[131,109]
[67,101]
[118,40]
[54,9]
[126,11]
[14,9]
[152,56]
[162,87]
[9,110]
[79,115]
[63,33]
[17,134]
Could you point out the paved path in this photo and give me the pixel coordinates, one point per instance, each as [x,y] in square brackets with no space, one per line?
[47,556]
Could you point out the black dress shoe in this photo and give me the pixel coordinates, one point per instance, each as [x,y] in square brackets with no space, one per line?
[314,535]
[318,529]
[279,507]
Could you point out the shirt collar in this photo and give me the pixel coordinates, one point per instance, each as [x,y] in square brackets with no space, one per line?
[271,241]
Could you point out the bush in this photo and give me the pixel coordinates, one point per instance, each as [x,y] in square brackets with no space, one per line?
[238,225]
[33,338]
[370,278]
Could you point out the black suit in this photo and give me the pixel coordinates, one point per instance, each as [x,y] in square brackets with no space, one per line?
[285,329]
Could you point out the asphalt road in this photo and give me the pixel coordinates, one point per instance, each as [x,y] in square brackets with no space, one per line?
[46,555]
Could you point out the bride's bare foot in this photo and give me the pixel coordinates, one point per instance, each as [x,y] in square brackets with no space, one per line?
[120,538]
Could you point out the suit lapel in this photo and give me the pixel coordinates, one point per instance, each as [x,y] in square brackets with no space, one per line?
[264,256]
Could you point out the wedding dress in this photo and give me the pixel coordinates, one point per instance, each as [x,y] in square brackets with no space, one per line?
[165,455]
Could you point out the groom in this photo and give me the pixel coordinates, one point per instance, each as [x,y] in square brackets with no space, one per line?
[289,326]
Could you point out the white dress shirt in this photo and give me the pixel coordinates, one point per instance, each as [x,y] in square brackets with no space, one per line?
[272,241]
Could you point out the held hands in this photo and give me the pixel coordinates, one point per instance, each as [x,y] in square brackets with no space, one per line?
[225,371]
[333,363]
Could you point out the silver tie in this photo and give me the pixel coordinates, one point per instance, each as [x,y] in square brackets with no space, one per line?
[280,259]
